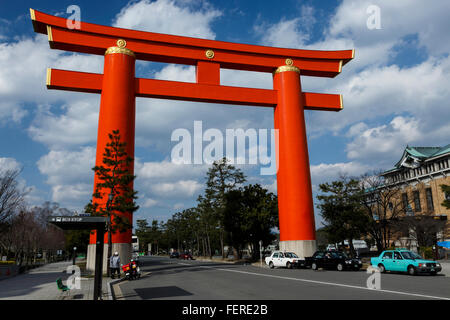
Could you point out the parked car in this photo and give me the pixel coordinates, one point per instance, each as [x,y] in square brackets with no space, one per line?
[186,256]
[284,259]
[404,261]
[174,254]
[333,260]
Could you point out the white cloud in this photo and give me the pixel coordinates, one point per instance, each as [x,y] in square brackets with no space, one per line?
[7,164]
[69,175]
[77,125]
[178,189]
[168,170]
[167,16]
[398,18]
[383,139]
[73,195]
[149,203]
[293,33]
[327,172]
[68,167]
[285,33]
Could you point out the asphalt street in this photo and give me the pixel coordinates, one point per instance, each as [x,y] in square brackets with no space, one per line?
[173,279]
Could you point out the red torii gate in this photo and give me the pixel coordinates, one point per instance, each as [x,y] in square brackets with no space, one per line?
[118,87]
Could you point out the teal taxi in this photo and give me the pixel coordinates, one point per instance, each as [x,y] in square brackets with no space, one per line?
[404,261]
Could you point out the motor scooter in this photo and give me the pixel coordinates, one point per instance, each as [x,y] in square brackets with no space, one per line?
[131,270]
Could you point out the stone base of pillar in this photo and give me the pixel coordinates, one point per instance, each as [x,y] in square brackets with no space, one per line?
[303,248]
[124,250]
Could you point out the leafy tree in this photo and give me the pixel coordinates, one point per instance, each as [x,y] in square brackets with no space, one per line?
[221,178]
[76,238]
[341,209]
[250,215]
[115,183]
[207,223]
[142,233]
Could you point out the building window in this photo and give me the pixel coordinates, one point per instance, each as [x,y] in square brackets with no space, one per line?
[406,207]
[429,199]
[416,195]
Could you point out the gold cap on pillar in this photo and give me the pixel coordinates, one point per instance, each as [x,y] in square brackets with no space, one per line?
[288,67]
[121,48]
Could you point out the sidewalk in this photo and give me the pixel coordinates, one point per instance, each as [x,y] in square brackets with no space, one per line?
[40,284]
[445,268]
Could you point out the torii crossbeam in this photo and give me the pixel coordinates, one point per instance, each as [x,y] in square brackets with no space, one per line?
[119,87]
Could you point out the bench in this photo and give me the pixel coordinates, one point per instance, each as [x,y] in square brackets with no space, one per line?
[61,286]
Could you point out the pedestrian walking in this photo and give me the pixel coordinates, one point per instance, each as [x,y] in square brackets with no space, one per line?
[114,265]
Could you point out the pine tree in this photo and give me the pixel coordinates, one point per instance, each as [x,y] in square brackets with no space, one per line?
[221,178]
[116,180]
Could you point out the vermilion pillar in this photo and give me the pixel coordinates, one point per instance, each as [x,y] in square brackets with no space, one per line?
[296,211]
[117,112]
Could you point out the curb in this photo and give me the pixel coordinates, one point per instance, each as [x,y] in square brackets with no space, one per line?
[111,294]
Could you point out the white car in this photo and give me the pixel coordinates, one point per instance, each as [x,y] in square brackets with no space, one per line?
[284,259]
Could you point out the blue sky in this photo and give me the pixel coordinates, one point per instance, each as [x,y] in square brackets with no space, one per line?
[395,92]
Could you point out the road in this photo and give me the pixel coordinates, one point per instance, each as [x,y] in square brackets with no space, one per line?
[173,279]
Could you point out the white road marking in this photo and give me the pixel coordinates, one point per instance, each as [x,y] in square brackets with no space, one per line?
[322,282]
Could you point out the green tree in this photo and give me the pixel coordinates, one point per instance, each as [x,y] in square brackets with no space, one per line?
[341,209]
[221,178]
[115,182]
[250,215]
[207,223]
[143,234]
[76,238]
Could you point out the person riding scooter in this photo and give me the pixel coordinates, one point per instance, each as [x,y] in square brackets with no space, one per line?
[132,270]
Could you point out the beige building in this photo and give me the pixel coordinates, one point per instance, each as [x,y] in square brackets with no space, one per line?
[419,174]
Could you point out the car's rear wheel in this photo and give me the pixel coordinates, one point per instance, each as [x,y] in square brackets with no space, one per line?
[411,271]
[340,267]
[382,268]
[271,265]
[314,266]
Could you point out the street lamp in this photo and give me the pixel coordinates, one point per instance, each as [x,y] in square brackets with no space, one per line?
[108,209]
[74,255]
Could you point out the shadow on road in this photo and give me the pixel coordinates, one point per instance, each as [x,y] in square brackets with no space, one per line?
[168,268]
[161,292]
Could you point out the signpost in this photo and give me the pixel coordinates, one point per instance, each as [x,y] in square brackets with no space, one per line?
[87,223]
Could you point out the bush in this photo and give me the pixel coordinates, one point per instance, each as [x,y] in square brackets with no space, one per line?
[426,252]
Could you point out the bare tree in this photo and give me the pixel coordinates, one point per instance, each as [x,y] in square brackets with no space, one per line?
[28,234]
[384,206]
[422,228]
[11,198]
